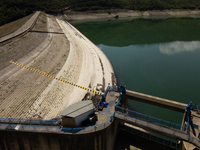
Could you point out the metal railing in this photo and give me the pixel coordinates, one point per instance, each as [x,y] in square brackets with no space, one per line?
[158,127]
[152,123]
[30,121]
[195,108]
[113,88]
[150,119]
[50,127]
[149,136]
[28,124]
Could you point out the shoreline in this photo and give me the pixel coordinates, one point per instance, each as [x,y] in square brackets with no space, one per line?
[120,13]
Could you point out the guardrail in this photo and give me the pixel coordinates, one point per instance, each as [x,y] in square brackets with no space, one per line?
[89,129]
[108,89]
[27,124]
[30,121]
[104,95]
[150,136]
[166,128]
[50,126]
[23,29]
[150,119]
[160,128]
[195,108]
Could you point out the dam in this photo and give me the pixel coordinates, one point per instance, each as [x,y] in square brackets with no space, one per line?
[114,117]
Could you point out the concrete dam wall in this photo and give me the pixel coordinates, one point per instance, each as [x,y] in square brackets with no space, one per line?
[21,140]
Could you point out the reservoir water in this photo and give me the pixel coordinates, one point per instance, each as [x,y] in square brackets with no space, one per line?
[160,57]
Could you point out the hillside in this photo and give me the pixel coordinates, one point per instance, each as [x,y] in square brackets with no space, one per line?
[82,5]
[14,9]
[11,10]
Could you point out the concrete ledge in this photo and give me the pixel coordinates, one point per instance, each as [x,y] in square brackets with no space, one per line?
[103,139]
[161,102]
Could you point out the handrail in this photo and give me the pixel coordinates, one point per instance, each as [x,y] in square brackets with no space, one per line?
[164,129]
[103,96]
[151,119]
[167,128]
[149,136]
[30,121]
[80,130]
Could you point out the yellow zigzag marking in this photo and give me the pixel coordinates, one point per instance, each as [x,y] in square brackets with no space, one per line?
[49,75]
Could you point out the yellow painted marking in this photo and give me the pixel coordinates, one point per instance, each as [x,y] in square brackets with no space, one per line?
[50,76]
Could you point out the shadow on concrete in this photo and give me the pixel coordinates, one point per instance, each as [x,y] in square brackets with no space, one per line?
[128,141]
[47,32]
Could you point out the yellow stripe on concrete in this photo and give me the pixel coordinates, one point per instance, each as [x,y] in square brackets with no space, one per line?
[59,79]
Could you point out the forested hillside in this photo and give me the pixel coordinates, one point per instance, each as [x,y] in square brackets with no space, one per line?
[14,9]
[11,10]
[81,5]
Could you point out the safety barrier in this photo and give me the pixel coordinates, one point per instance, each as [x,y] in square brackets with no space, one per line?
[195,108]
[27,124]
[149,136]
[113,88]
[145,121]
[164,130]
[49,126]
[108,89]
[150,118]
[30,121]
[103,96]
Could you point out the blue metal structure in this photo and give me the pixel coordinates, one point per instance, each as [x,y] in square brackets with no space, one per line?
[189,118]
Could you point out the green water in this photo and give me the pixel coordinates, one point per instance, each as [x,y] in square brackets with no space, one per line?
[160,57]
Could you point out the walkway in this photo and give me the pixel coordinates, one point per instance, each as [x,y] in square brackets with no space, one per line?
[173,130]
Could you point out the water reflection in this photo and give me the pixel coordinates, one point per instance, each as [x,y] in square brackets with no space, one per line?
[178,47]
[139,50]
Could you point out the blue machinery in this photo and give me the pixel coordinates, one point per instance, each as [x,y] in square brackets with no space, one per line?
[154,124]
[188,118]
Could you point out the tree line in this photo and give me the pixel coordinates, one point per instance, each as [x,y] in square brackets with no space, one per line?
[11,10]
[141,5]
